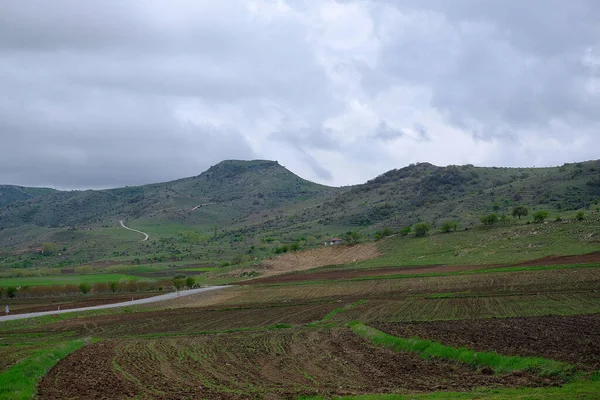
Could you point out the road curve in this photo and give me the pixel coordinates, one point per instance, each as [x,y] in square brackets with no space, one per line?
[146,236]
[154,299]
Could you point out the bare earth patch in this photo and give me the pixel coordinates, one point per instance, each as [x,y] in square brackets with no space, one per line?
[331,255]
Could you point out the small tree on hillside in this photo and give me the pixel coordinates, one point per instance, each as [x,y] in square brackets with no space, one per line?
[179,283]
[540,216]
[405,231]
[520,211]
[580,216]
[352,237]
[449,226]
[489,220]
[421,229]
[11,292]
[49,248]
[85,288]
[190,282]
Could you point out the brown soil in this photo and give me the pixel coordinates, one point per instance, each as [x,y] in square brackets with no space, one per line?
[189,320]
[573,339]
[38,305]
[429,269]
[272,365]
[560,260]
[331,255]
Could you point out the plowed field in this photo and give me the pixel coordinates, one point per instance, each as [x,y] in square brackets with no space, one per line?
[574,339]
[273,365]
[190,320]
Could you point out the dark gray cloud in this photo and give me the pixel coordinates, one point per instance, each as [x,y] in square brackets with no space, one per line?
[340,91]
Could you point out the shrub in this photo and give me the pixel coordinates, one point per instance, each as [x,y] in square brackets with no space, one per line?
[113,286]
[449,226]
[295,246]
[190,282]
[520,211]
[178,283]
[405,231]
[540,216]
[49,248]
[85,288]
[580,216]
[421,229]
[352,237]
[490,220]
[387,232]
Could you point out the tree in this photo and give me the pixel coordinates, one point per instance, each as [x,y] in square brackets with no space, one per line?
[179,283]
[421,229]
[190,281]
[11,292]
[449,226]
[85,288]
[387,232]
[113,286]
[520,211]
[49,248]
[580,216]
[490,220]
[540,216]
[405,231]
[352,237]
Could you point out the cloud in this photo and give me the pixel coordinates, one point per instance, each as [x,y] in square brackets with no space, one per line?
[338,91]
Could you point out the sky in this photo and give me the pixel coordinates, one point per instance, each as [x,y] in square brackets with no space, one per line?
[98,93]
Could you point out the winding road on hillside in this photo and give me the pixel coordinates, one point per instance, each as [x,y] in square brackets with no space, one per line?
[146,236]
[154,299]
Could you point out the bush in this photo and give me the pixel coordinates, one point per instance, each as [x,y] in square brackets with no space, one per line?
[179,284]
[113,286]
[421,229]
[190,282]
[387,232]
[490,220]
[580,216]
[405,231]
[520,211]
[49,248]
[352,237]
[540,216]
[11,292]
[85,288]
[449,226]
[295,246]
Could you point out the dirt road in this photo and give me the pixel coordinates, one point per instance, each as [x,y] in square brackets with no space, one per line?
[146,236]
[154,299]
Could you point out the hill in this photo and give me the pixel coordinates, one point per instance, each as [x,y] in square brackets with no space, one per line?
[252,207]
[238,187]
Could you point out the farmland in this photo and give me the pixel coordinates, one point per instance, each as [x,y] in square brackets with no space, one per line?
[501,312]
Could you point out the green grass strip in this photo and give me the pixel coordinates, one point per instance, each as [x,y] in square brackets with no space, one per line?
[335,312]
[581,390]
[20,381]
[478,359]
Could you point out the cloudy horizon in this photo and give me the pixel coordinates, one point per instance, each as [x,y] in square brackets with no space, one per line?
[336,91]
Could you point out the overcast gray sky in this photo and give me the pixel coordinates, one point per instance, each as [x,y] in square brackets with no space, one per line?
[101,93]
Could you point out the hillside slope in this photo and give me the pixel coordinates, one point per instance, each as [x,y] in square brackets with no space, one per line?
[236,188]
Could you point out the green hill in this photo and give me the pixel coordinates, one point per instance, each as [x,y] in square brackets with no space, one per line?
[248,207]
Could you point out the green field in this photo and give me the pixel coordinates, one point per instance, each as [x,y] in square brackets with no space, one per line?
[65,280]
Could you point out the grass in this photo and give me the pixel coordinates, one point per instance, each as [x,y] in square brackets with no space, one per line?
[479,246]
[342,309]
[581,390]
[20,381]
[478,359]
[65,280]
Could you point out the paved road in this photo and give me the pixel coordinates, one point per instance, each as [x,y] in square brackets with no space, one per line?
[153,299]
[146,236]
